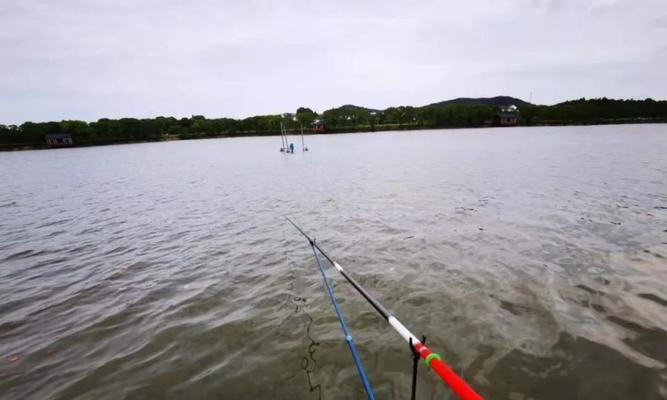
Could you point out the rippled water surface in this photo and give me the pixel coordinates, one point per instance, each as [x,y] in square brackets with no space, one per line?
[534,259]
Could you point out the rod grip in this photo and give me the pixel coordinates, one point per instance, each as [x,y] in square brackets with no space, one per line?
[458,385]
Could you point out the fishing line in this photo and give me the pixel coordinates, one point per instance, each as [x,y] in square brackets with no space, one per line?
[308,362]
[305,361]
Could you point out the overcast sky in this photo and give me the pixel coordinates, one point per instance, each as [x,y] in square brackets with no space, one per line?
[91,59]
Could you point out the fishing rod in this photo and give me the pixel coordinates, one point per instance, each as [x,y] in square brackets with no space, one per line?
[431,359]
[346,333]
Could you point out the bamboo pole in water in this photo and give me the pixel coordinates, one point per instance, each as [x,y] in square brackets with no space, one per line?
[303,145]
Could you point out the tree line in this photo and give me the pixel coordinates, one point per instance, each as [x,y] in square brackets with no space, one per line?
[347,118]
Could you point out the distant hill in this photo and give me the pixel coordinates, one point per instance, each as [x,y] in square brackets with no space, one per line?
[497,101]
[352,107]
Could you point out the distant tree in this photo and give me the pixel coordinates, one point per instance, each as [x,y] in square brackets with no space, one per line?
[81,132]
[306,116]
[176,130]
[458,113]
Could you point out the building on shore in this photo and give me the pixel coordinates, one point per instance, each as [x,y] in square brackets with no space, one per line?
[506,116]
[318,126]
[59,140]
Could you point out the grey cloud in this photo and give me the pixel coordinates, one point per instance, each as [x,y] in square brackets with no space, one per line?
[83,59]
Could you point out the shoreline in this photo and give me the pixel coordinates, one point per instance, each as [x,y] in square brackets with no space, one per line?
[345,130]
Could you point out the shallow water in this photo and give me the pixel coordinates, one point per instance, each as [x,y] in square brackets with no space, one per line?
[534,259]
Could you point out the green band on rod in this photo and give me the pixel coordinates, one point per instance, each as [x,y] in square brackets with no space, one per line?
[431,356]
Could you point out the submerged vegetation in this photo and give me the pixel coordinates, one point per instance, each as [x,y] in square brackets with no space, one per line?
[458,113]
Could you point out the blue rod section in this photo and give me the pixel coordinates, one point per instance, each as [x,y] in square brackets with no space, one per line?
[348,337]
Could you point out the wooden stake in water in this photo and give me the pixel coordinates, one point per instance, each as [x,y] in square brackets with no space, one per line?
[303,145]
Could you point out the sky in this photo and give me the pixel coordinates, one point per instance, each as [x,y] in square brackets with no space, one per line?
[90,59]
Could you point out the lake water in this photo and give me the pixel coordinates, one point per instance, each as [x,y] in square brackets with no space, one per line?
[533,259]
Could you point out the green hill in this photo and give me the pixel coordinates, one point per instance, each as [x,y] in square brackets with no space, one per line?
[498,101]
